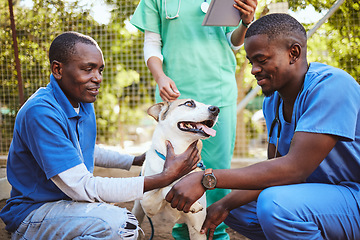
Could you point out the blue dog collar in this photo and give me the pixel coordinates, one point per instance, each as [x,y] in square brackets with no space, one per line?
[199,165]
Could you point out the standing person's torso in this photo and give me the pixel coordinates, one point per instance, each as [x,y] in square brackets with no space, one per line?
[198,58]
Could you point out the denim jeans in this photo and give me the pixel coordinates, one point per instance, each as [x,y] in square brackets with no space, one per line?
[78,220]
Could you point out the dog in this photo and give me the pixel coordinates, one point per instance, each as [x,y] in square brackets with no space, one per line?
[182,122]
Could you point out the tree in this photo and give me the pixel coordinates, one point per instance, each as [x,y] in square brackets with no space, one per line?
[339,37]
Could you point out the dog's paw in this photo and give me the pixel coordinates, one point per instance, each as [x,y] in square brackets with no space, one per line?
[196,207]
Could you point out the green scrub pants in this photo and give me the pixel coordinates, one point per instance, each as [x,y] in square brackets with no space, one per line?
[217,153]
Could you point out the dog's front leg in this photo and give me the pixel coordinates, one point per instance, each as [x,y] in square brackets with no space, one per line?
[138,211]
[153,202]
[194,221]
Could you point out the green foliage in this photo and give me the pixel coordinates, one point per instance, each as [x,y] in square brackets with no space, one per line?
[336,41]
[128,88]
[123,92]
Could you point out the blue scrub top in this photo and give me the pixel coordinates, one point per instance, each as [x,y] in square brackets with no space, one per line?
[197,58]
[49,138]
[328,104]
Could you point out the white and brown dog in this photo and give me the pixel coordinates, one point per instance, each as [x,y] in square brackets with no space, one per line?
[182,122]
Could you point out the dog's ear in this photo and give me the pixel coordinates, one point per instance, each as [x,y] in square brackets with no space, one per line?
[155,110]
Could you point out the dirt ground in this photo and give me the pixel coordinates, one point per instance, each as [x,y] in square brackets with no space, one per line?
[162,229]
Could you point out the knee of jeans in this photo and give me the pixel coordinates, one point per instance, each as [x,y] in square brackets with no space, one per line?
[130,229]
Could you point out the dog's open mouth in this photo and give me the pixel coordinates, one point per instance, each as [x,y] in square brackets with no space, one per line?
[204,128]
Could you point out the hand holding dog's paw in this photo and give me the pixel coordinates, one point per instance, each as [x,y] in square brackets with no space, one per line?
[177,166]
[185,192]
[196,207]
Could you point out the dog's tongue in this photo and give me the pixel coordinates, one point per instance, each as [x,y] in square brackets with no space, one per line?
[206,129]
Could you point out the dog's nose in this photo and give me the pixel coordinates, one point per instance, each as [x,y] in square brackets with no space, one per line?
[214,110]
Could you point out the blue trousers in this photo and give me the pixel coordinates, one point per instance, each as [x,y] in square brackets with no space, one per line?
[301,211]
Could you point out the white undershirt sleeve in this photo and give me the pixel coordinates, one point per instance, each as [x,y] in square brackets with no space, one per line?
[81,185]
[228,36]
[112,159]
[152,46]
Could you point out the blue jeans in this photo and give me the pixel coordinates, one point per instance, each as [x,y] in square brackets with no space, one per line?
[78,220]
[301,211]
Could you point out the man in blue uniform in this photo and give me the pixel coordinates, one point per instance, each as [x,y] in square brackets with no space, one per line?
[53,153]
[309,188]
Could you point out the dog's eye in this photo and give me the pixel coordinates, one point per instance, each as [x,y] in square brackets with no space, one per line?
[190,103]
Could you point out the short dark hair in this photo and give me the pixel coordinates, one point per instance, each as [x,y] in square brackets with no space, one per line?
[277,25]
[63,46]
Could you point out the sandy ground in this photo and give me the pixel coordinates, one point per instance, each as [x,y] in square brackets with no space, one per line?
[162,228]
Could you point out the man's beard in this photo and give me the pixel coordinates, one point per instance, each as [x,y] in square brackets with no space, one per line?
[268,93]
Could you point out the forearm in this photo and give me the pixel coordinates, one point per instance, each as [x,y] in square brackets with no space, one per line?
[157,181]
[260,175]
[80,185]
[238,198]
[155,66]
[238,35]
[112,159]
[152,54]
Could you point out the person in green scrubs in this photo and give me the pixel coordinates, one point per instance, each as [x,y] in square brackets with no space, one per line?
[188,60]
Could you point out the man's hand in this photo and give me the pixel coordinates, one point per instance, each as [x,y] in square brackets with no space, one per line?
[185,192]
[215,214]
[139,160]
[177,166]
[247,10]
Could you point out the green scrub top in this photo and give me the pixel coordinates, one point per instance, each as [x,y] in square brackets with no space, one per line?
[197,58]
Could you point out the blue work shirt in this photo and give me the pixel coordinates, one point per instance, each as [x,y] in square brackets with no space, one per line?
[49,138]
[328,104]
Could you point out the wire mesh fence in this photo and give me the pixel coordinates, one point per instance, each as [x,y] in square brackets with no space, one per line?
[128,88]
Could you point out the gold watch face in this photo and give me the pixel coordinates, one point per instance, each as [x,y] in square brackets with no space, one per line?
[209,181]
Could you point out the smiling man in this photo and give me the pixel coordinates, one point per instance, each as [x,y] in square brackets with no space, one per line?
[309,188]
[52,156]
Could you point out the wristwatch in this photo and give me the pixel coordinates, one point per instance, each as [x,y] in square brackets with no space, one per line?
[209,180]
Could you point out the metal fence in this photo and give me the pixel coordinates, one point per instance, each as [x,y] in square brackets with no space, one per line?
[128,87]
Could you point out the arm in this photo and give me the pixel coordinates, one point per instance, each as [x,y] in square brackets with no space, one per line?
[218,211]
[247,11]
[153,59]
[175,167]
[113,159]
[80,185]
[306,152]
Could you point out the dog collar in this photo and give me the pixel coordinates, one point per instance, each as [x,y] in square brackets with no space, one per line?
[160,155]
[199,165]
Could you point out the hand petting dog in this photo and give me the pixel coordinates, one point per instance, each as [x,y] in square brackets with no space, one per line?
[175,167]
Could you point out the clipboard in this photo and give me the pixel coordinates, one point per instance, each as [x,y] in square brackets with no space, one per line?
[222,13]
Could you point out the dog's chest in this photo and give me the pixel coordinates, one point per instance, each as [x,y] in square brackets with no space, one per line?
[153,163]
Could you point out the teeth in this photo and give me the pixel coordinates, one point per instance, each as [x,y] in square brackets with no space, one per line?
[188,125]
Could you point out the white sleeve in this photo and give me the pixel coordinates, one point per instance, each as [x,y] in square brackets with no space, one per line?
[228,36]
[112,159]
[81,185]
[152,46]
